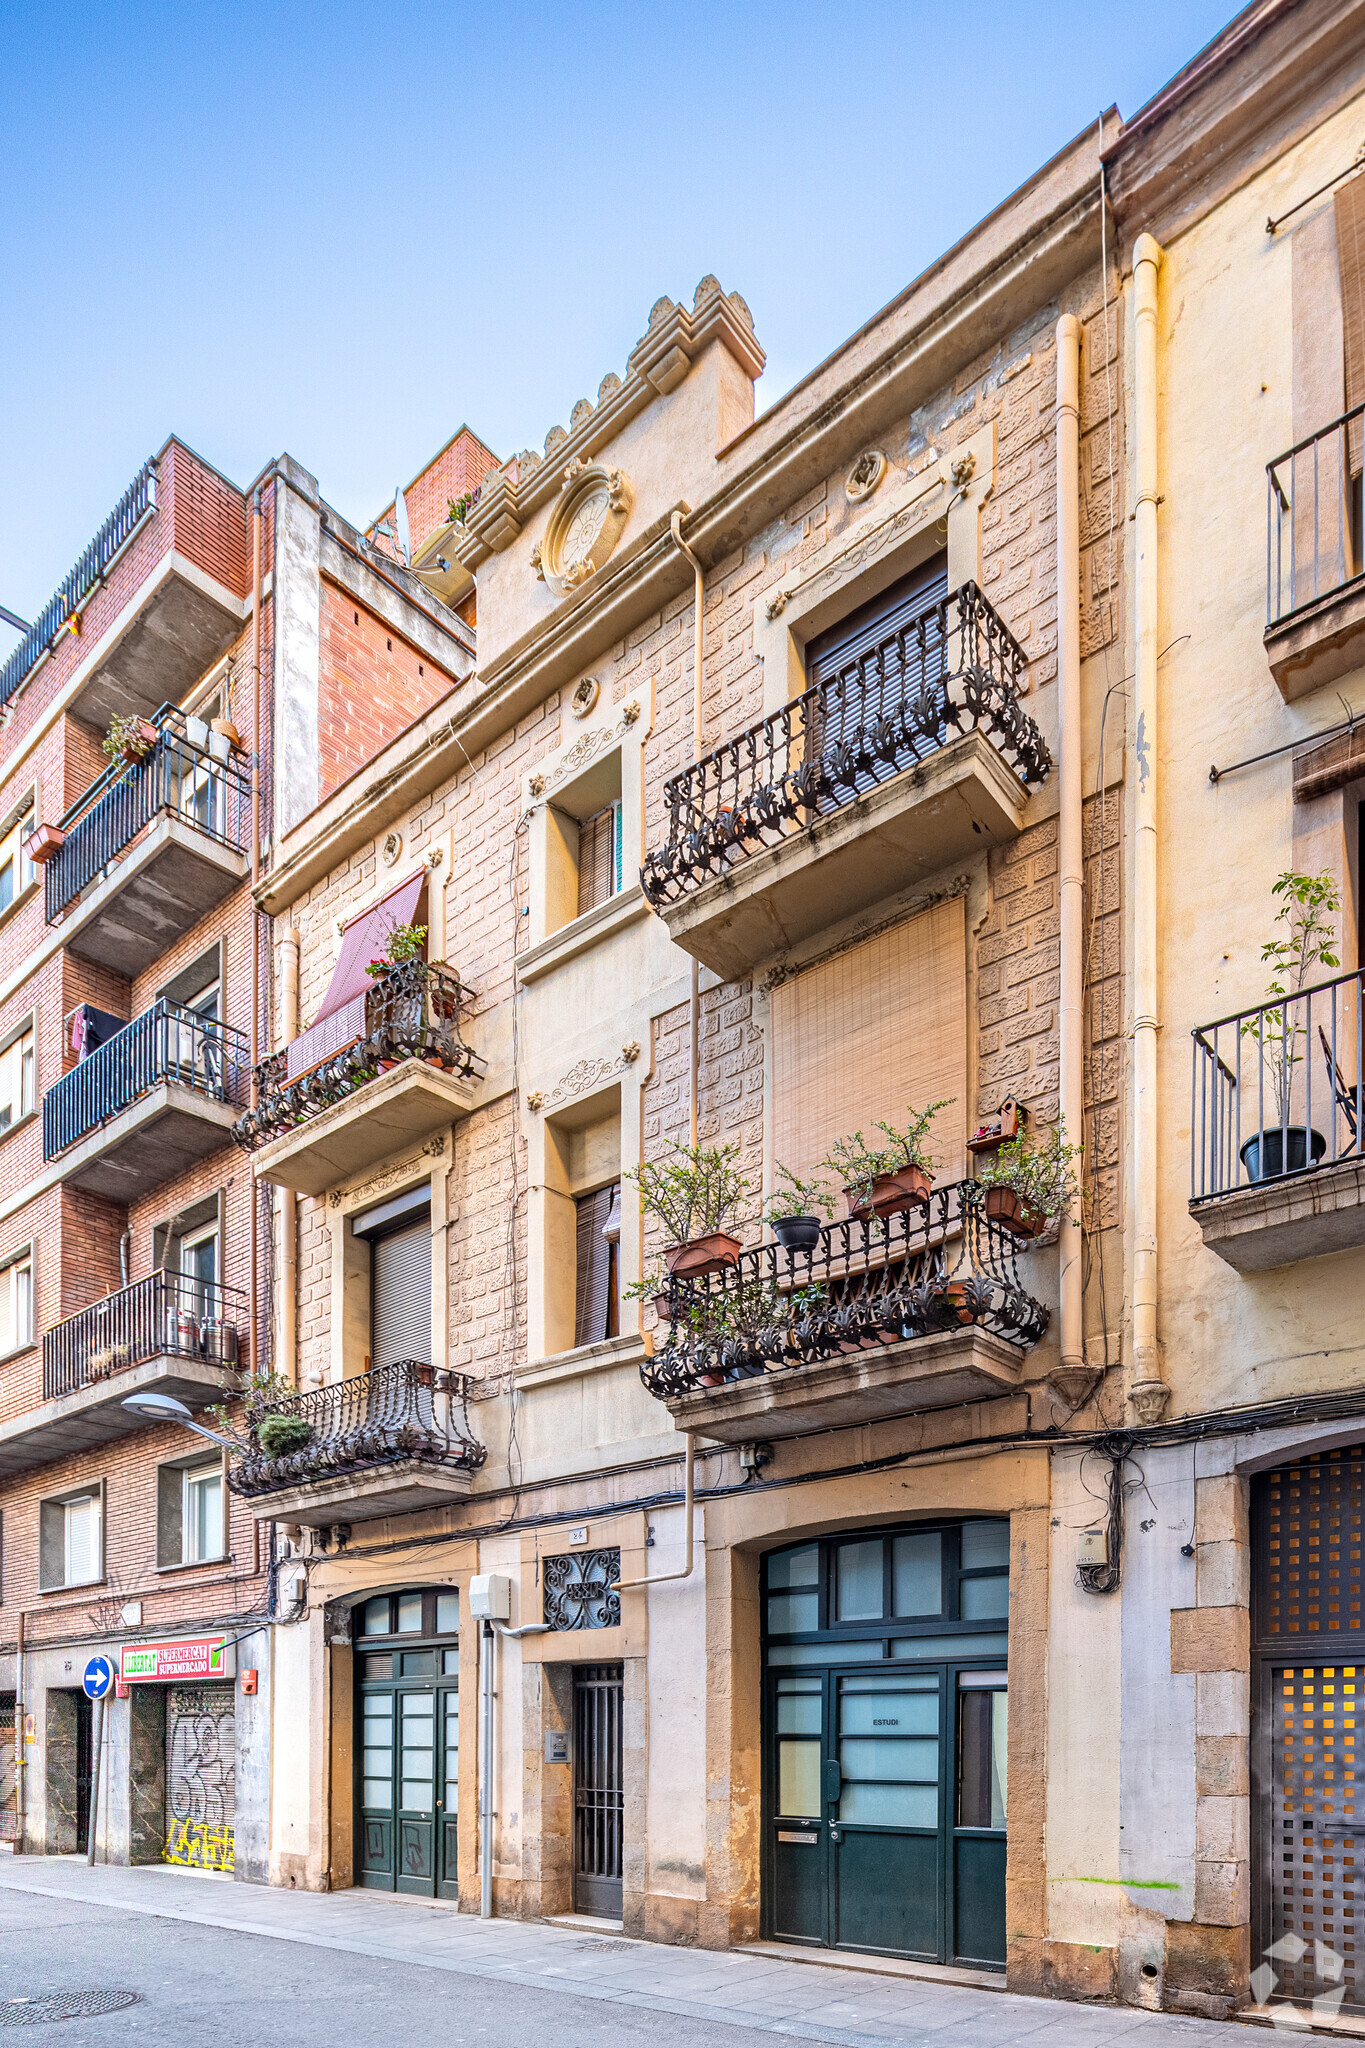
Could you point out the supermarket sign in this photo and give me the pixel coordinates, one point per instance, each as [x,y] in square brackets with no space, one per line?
[188,1657]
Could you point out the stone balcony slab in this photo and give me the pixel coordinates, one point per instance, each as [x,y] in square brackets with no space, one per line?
[372,1123]
[94,1415]
[1277,1222]
[1319,642]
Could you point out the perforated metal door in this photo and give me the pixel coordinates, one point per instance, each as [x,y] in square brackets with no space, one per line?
[1312,1840]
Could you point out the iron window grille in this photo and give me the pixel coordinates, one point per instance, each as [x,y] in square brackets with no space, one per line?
[580,1589]
[953,668]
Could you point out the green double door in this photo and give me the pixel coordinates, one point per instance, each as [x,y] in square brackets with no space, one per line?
[409,1749]
[886,1810]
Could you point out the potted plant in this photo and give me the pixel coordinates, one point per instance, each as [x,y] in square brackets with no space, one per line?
[1308,906]
[278,1434]
[694,1194]
[129,739]
[405,942]
[1026,1183]
[794,1209]
[879,1180]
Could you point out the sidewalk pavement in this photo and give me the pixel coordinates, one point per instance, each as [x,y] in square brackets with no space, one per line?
[803,2001]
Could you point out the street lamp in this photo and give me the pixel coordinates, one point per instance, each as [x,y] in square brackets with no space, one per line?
[165,1408]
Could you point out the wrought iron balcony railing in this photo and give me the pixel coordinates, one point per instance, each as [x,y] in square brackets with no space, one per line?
[167,1313]
[412,1011]
[166,1043]
[1279,1089]
[954,668]
[1313,529]
[76,586]
[866,1284]
[179,777]
[398,1414]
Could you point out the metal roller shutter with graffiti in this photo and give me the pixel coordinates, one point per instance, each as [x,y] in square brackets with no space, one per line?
[201,1763]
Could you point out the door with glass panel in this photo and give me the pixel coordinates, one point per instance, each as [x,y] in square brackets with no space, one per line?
[408,1742]
[885,1778]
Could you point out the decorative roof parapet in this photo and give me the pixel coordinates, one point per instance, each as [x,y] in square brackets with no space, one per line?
[657,364]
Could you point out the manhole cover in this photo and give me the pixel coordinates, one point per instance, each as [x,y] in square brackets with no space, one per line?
[63,2005]
[606,1948]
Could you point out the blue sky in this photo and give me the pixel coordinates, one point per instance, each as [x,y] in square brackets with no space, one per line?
[341,230]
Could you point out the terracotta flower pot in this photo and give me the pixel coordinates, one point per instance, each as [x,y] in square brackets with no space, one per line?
[139,743]
[228,730]
[44,844]
[955,1295]
[662,1304]
[701,1255]
[1012,1213]
[891,1192]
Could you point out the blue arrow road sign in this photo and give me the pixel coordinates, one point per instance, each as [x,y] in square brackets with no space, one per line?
[99,1676]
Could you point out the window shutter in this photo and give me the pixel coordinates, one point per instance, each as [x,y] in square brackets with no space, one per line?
[598,858]
[400,1296]
[1350,212]
[594,1266]
[170,1489]
[869,1032]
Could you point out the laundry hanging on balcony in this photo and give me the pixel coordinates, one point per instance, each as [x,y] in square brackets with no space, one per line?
[340,1020]
[90,1028]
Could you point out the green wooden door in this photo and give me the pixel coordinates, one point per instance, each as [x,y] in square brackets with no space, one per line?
[884,1808]
[416,1811]
[447,1805]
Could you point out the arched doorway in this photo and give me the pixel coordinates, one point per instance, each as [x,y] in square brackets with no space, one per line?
[407,1746]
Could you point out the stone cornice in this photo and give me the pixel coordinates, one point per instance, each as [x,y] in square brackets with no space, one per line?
[1274,74]
[656,365]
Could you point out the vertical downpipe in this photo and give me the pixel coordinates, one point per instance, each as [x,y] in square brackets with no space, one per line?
[694,1004]
[288,1200]
[1149,1391]
[20,1742]
[252,913]
[1073,1378]
[486,1647]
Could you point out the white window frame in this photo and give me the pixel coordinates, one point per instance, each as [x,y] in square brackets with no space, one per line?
[14,831]
[14,1335]
[24,1104]
[192,1478]
[62,1504]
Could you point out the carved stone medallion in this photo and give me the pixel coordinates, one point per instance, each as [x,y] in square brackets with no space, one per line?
[865,475]
[585,696]
[584,527]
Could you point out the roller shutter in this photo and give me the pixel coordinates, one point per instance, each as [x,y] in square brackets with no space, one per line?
[400,1296]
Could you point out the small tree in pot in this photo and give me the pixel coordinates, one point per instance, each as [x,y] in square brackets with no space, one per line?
[694,1192]
[879,1180]
[1027,1183]
[1308,907]
[795,1207]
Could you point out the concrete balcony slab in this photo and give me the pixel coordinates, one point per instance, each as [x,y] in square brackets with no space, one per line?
[1277,1222]
[382,1117]
[363,1496]
[152,895]
[937,1371]
[94,1415]
[1319,642]
[158,1136]
[960,799]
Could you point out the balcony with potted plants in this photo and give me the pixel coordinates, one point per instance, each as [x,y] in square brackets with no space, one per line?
[150,1101]
[915,754]
[381,1068]
[1277,1100]
[386,1442]
[156,842]
[913,1300]
[166,1334]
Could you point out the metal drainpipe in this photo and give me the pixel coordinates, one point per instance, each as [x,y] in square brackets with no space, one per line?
[254,1360]
[490,1631]
[694,1005]
[289,1031]
[20,1743]
[1072,1049]
[630,1585]
[1148,1392]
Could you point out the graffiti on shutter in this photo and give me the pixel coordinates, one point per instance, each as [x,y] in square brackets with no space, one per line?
[201,1769]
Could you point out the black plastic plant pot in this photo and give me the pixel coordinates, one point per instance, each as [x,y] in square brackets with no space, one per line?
[797,1233]
[1276,1151]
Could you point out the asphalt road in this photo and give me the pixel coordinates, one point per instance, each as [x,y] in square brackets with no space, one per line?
[209,1985]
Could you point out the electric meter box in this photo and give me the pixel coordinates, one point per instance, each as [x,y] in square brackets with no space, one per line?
[1093,1547]
[490,1597]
